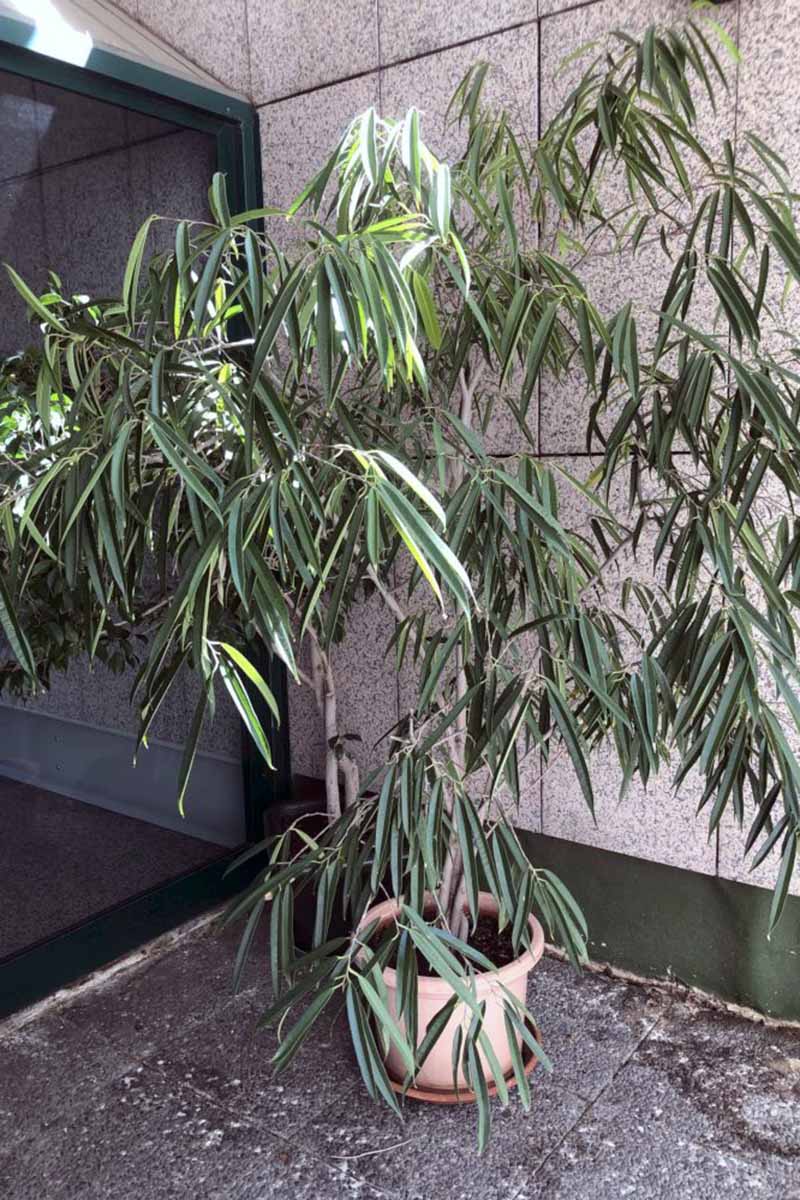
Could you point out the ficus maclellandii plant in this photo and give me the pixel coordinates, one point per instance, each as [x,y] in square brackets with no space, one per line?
[287,413]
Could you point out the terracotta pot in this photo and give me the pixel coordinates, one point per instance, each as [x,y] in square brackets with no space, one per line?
[436,1075]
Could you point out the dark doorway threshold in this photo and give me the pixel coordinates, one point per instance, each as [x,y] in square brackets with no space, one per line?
[63,860]
[89,945]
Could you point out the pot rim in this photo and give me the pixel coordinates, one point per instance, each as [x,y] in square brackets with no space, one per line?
[432,985]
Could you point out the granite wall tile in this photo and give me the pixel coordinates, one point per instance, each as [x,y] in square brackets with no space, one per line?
[611,277]
[22,235]
[298,134]
[428,83]
[306,730]
[296,46]
[170,176]
[658,822]
[102,697]
[529,813]
[732,863]
[65,697]
[95,696]
[89,221]
[767,94]
[767,106]
[142,205]
[72,126]
[366,684]
[79,218]
[141,127]
[651,823]
[181,167]
[502,433]
[408,30]
[654,822]
[548,8]
[223,735]
[585,27]
[215,36]
[19,125]
[611,281]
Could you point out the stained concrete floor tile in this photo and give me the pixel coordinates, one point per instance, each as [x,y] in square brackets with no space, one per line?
[142,1123]
[230,1058]
[741,1080]
[87,1041]
[156,1003]
[157,1135]
[43,1086]
[651,1097]
[432,1153]
[646,1137]
[287,1171]
[708,1107]
[591,1024]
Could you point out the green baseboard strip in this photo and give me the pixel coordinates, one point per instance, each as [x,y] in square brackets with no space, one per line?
[661,921]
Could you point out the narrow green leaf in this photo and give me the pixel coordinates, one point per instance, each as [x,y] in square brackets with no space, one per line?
[388,1024]
[254,676]
[33,301]
[427,309]
[241,700]
[218,200]
[566,724]
[788,859]
[133,269]
[190,749]
[9,620]
[440,201]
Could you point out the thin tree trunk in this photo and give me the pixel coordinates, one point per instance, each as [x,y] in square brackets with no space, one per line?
[452,892]
[352,779]
[337,760]
[325,690]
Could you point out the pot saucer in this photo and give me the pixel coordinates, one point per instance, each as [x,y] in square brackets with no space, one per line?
[464,1096]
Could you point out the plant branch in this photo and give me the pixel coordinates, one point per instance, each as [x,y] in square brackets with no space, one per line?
[325,691]
[386,595]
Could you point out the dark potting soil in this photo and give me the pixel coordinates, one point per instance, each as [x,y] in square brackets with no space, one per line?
[494,944]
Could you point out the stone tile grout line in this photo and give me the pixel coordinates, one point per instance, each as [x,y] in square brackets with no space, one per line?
[591,1103]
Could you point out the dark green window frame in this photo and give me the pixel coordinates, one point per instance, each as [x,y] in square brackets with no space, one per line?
[59,960]
[117,80]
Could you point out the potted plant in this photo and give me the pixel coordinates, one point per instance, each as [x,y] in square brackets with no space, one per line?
[258,438]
